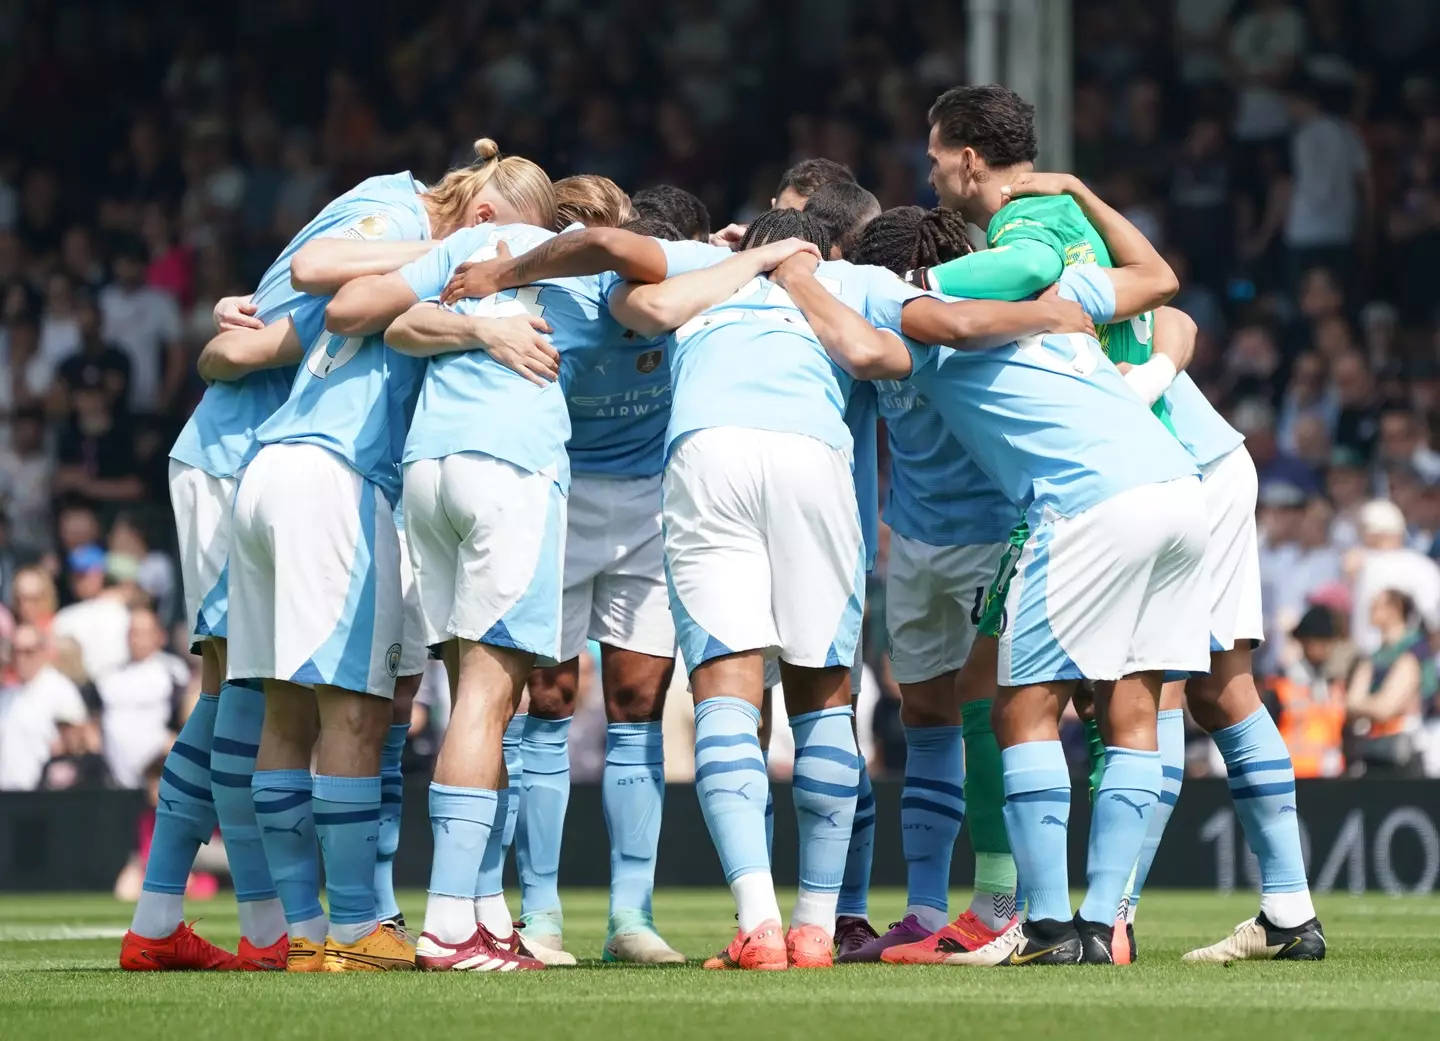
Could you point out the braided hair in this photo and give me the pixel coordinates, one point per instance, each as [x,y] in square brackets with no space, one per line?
[774,225]
[909,240]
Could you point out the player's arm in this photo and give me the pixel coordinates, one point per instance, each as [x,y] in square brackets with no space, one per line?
[657,308]
[323,265]
[1143,281]
[979,325]
[1171,349]
[1012,271]
[238,352]
[575,254]
[516,342]
[367,304]
[1396,693]
[859,348]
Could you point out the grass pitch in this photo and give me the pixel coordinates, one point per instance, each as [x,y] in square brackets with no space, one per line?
[1382,979]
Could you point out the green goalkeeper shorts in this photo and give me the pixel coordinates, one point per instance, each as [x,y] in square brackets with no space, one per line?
[992,612]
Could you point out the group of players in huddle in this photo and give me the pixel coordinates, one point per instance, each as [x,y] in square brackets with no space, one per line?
[438,424]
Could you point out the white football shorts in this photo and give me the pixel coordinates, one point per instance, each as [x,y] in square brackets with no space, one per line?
[487,540]
[1115,590]
[414,652]
[615,567]
[933,596]
[1232,556]
[763,549]
[314,574]
[203,504]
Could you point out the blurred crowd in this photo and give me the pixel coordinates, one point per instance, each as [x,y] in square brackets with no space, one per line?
[156,155]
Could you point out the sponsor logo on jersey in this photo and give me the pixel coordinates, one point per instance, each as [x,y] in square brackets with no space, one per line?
[369,227]
[1079,253]
[649,362]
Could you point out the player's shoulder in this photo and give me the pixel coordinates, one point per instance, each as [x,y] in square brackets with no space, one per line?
[689,255]
[1030,211]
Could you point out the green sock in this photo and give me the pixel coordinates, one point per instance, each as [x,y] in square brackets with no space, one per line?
[985,802]
[1097,755]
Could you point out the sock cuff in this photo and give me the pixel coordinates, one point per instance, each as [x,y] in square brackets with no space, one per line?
[1232,737]
[632,733]
[1034,766]
[546,731]
[1170,713]
[213,699]
[934,739]
[476,805]
[1129,768]
[975,716]
[396,735]
[294,780]
[711,706]
[347,789]
[810,718]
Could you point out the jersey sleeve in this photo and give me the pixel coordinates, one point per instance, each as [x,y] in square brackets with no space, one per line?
[427,276]
[1090,287]
[886,295]
[1009,272]
[1019,228]
[683,257]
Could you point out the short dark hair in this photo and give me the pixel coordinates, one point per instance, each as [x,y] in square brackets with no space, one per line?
[675,205]
[907,237]
[654,226]
[844,209]
[809,175]
[777,224]
[995,121]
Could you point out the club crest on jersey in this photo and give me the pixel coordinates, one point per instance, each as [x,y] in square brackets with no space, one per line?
[371,227]
[649,362]
[1079,253]
[392,660]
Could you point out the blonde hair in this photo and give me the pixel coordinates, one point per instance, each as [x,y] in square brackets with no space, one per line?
[591,200]
[519,182]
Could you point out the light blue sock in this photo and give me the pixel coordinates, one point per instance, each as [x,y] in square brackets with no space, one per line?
[238,721]
[284,808]
[731,782]
[932,811]
[633,795]
[347,822]
[392,798]
[769,809]
[514,769]
[1262,784]
[855,890]
[1124,808]
[825,786]
[461,821]
[1172,769]
[185,817]
[545,786]
[1037,820]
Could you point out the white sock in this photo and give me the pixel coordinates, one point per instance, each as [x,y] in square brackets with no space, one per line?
[157,915]
[812,908]
[993,909]
[262,922]
[930,918]
[352,932]
[1131,909]
[492,912]
[755,900]
[313,929]
[1287,910]
[450,919]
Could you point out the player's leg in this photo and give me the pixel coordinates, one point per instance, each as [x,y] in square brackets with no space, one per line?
[1226,705]
[545,788]
[719,578]
[812,535]
[767,716]
[852,912]
[491,909]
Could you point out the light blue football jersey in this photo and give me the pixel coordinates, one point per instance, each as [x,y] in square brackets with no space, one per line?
[353,395]
[861,416]
[938,495]
[1049,418]
[619,401]
[219,437]
[753,361]
[471,403]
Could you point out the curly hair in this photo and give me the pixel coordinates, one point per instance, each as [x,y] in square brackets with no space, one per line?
[809,175]
[774,225]
[844,209]
[995,121]
[676,206]
[654,226]
[908,238]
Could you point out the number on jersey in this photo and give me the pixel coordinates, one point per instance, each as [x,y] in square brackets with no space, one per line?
[332,353]
[1070,353]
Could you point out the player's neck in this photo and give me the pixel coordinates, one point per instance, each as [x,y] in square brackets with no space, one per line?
[988,201]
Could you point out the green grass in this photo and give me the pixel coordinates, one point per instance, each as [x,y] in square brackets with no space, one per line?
[1382,979]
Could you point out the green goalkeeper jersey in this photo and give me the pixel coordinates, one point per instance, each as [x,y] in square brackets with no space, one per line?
[1058,223]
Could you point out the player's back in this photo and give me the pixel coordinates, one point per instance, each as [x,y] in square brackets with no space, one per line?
[1201,429]
[938,495]
[753,361]
[619,401]
[471,403]
[352,394]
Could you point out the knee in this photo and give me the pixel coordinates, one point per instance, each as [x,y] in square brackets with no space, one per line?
[635,703]
[552,693]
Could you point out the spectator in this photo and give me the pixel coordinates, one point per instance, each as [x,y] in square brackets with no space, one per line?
[97,450]
[33,594]
[140,701]
[154,571]
[1308,699]
[26,474]
[1256,420]
[24,376]
[1348,487]
[144,322]
[1384,562]
[1265,46]
[59,328]
[1387,692]
[1357,425]
[200,885]
[42,716]
[1294,570]
[1306,395]
[99,620]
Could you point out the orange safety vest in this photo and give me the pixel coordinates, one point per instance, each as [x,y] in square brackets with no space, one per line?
[1313,730]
